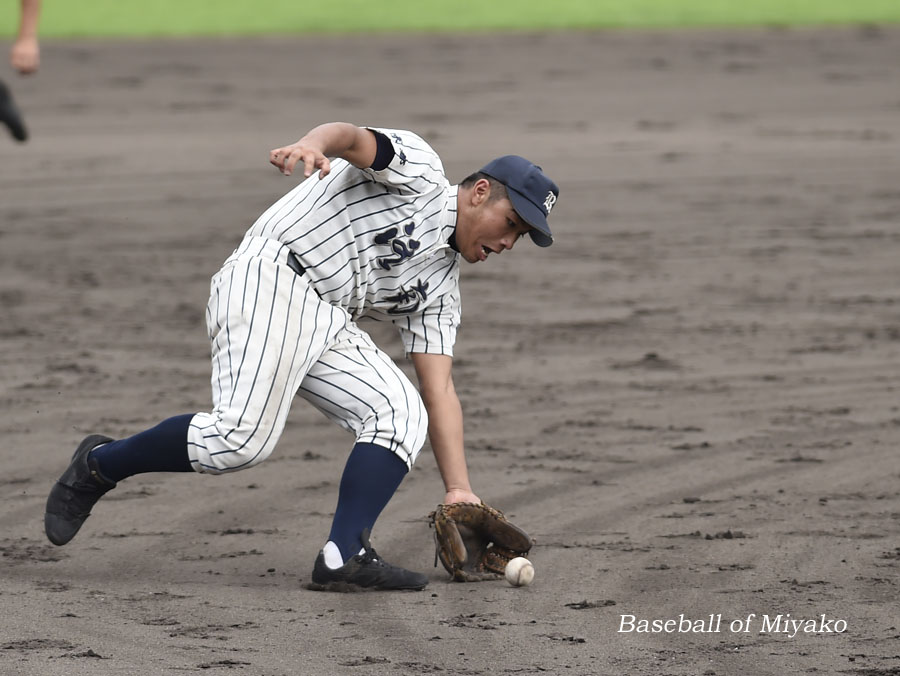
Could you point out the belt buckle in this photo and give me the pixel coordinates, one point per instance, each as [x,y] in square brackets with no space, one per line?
[294,263]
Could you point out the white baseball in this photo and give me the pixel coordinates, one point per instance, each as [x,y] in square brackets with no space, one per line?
[519,572]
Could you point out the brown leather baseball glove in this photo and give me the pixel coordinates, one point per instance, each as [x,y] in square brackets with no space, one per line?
[475,541]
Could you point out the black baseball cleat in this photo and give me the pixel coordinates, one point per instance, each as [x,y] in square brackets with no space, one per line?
[75,493]
[366,571]
[10,116]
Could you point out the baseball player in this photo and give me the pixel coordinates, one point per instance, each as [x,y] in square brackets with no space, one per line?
[375,230]
[25,58]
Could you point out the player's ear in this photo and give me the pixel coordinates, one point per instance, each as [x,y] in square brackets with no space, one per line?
[481,191]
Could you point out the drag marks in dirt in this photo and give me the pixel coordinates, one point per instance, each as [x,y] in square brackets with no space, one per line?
[171,617]
[475,621]
[28,649]
[224,664]
[223,555]
[17,482]
[24,551]
[623,544]
[36,644]
[208,632]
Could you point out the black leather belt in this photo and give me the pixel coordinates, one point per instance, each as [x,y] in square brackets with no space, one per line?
[294,263]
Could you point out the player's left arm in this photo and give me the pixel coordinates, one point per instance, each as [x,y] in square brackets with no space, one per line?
[25,53]
[334,139]
[445,424]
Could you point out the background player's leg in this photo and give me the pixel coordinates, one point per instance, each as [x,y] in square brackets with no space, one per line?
[10,115]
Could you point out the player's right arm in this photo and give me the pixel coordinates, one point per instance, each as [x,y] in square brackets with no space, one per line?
[445,424]
[334,139]
[25,53]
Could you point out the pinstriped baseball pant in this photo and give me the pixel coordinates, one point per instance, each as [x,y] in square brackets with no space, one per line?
[272,337]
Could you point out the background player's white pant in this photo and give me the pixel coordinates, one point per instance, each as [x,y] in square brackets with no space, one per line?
[272,336]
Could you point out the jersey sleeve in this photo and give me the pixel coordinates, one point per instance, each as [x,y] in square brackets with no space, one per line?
[415,168]
[432,331]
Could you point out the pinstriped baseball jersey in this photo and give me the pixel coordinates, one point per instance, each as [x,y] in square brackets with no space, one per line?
[375,243]
[372,243]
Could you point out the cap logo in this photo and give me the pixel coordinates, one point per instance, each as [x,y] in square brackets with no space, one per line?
[550,201]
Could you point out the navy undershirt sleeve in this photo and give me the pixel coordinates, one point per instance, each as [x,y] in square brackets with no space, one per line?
[385,152]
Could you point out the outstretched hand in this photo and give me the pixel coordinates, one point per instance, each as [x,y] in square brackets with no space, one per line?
[301,152]
[458,495]
[25,55]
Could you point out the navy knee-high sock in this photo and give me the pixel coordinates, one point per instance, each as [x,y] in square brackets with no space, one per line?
[160,449]
[371,477]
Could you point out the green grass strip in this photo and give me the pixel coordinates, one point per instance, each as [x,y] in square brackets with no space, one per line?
[98,18]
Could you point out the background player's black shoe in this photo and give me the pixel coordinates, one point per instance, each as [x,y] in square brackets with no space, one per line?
[9,115]
[75,493]
[364,571]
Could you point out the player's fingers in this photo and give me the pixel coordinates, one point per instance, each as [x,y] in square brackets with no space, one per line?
[324,166]
[276,157]
[287,158]
[309,164]
[281,158]
[313,160]
[291,159]
[296,156]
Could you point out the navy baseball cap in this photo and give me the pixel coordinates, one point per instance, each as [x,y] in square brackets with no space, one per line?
[530,191]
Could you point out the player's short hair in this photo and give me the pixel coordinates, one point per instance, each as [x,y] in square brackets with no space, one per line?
[498,190]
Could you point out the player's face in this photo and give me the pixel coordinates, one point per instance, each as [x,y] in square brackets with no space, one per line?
[494,227]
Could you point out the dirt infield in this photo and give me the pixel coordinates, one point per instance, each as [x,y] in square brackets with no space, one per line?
[691,399]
